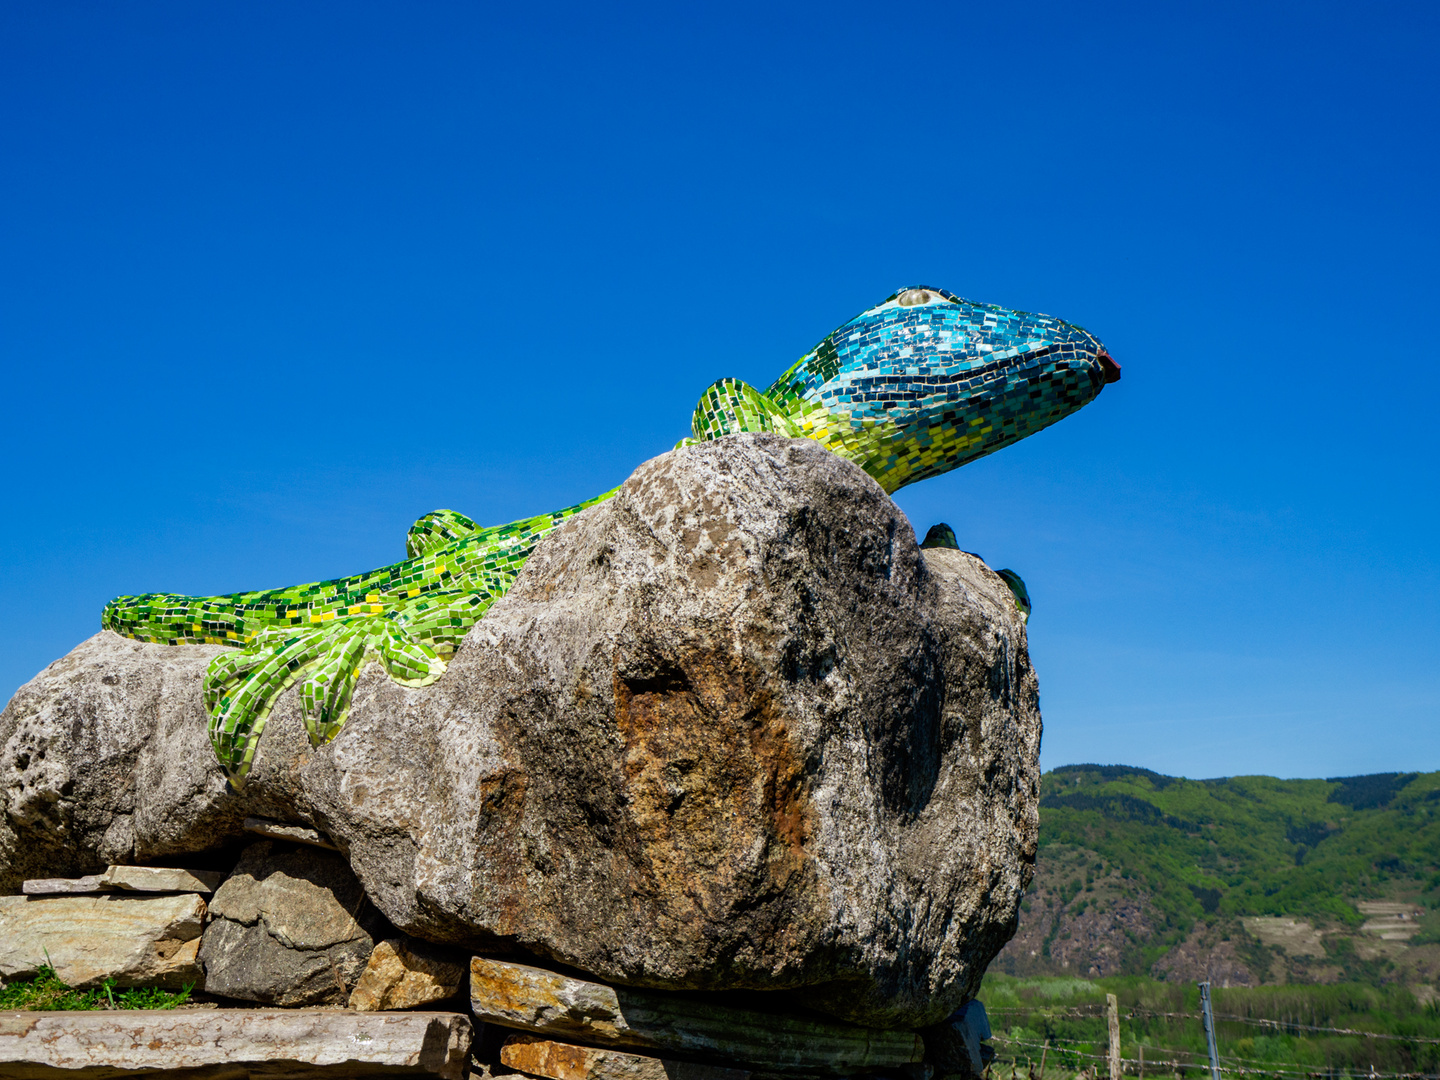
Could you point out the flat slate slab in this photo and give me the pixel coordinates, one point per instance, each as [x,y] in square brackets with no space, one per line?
[533,999]
[150,879]
[296,834]
[233,1043]
[59,886]
[161,880]
[565,1061]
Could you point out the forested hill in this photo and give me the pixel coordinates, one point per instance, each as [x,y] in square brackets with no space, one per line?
[1244,880]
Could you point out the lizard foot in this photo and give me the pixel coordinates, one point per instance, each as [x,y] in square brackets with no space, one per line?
[241,687]
[325,693]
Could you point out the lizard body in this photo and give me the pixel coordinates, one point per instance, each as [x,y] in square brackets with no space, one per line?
[911,388]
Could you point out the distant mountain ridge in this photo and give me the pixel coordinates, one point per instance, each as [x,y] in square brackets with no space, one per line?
[1244,880]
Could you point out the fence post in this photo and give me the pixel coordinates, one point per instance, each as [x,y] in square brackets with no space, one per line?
[1209,1018]
[1112,1012]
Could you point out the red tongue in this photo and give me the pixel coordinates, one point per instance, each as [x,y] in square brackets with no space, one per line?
[1108,365]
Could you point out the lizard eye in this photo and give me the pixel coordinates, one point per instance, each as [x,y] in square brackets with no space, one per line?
[916,297]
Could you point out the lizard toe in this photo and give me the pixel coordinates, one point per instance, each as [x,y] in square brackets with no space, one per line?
[329,683]
[241,687]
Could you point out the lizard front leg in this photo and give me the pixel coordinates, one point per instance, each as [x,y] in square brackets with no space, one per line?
[408,641]
[330,682]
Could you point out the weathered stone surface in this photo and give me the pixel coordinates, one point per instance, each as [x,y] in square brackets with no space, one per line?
[158,879]
[566,1061]
[107,741]
[139,941]
[239,1043]
[149,879]
[403,973]
[81,886]
[291,926]
[533,999]
[297,834]
[730,729]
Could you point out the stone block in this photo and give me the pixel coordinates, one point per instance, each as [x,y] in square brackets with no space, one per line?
[90,884]
[137,941]
[566,1061]
[296,834]
[160,880]
[150,879]
[232,1044]
[290,926]
[402,974]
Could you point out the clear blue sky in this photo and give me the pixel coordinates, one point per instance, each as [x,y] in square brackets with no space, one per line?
[279,278]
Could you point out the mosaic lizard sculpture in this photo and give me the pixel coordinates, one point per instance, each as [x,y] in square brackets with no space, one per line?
[911,388]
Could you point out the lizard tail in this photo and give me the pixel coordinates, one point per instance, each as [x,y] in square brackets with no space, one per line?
[173,619]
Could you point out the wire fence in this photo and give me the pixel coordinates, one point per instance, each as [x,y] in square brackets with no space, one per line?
[1228,1063]
[1160,1059]
[1098,1009]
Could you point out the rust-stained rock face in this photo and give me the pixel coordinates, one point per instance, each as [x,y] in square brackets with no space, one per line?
[566,1061]
[403,973]
[730,729]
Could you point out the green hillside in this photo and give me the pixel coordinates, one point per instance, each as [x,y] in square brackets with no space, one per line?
[1246,880]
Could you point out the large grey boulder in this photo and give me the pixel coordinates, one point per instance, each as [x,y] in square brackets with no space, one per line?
[730,729]
[101,745]
[288,927]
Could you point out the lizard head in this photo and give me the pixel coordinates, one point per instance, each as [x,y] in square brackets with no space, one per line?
[924,382]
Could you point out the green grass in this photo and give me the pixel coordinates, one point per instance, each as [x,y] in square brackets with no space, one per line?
[46,991]
[1163,1018]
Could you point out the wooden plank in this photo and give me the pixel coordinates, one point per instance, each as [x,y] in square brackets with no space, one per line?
[533,999]
[566,1061]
